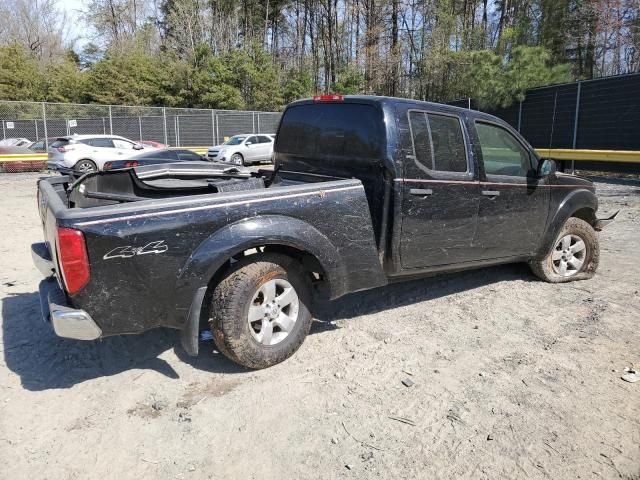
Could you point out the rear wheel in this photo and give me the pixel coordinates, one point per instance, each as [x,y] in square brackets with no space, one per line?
[237,159]
[259,311]
[85,166]
[574,256]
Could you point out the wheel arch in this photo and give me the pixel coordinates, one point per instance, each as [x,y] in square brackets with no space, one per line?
[289,236]
[581,204]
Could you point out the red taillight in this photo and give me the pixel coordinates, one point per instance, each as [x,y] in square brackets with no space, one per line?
[107,166]
[328,98]
[130,164]
[73,258]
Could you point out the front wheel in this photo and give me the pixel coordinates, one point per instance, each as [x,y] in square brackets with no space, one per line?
[574,256]
[259,311]
[237,159]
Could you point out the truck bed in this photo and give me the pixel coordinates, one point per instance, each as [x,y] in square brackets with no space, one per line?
[154,240]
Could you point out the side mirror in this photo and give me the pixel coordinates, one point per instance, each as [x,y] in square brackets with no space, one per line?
[137,146]
[546,167]
[248,144]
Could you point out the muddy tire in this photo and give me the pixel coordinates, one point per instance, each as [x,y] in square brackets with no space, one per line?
[574,256]
[260,310]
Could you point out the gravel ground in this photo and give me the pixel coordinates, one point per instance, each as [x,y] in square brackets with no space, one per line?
[512,378]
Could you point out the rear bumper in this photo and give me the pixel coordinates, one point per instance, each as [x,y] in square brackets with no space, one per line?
[67,322]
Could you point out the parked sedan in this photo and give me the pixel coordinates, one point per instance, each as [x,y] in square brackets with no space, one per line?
[243,149]
[155,157]
[88,153]
[40,146]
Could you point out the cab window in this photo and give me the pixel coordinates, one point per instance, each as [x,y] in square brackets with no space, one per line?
[438,142]
[502,153]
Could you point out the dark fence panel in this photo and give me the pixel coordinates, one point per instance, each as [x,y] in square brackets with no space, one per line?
[608,114]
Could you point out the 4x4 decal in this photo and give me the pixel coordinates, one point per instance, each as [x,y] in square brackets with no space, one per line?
[129,251]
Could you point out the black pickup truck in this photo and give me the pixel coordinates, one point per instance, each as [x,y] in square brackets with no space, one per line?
[365,191]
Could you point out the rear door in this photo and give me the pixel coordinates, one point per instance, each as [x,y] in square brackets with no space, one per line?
[101,148]
[514,204]
[266,147]
[439,190]
[252,152]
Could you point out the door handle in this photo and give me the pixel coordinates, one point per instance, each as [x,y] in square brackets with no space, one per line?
[423,192]
[490,193]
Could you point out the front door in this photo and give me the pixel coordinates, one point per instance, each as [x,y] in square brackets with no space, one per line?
[514,203]
[439,191]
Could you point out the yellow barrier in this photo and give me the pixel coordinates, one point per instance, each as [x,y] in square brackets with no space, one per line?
[611,156]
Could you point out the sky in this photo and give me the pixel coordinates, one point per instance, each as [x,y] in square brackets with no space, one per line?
[75,24]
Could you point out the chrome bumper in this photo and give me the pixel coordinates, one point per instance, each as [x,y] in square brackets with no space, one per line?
[67,322]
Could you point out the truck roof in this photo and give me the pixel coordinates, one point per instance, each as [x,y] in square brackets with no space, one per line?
[390,101]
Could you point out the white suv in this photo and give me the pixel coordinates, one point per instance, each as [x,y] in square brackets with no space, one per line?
[88,153]
[244,149]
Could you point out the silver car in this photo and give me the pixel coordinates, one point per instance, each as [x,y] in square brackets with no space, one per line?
[88,153]
[244,149]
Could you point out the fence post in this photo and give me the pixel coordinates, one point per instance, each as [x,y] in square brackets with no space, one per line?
[469,102]
[519,116]
[177,124]
[35,123]
[164,121]
[44,122]
[217,130]
[110,121]
[253,121]
[104,126]
[140,127]
[258,122]
[213,127]
[575,123]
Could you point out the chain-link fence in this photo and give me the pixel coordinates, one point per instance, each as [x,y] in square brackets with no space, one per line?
[175,127]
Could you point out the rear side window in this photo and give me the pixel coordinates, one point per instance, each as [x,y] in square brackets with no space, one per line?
[99,142]
[438,142]
[331,129]
[60,142]
[264,139]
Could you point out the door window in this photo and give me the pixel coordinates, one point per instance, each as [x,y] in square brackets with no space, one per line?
[252,140]
[438,142]
[123,144]
[263,139]
[502,153]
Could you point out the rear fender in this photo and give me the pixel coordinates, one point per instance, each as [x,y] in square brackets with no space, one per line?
[246,234]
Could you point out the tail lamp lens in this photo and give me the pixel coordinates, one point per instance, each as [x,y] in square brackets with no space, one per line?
[107,166]
[74,260]
[130,164]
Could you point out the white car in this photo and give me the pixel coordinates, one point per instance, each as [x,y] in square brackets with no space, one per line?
[244,149]
[88,153]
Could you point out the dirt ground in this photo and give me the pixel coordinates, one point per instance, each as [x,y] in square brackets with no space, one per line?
[512,378]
